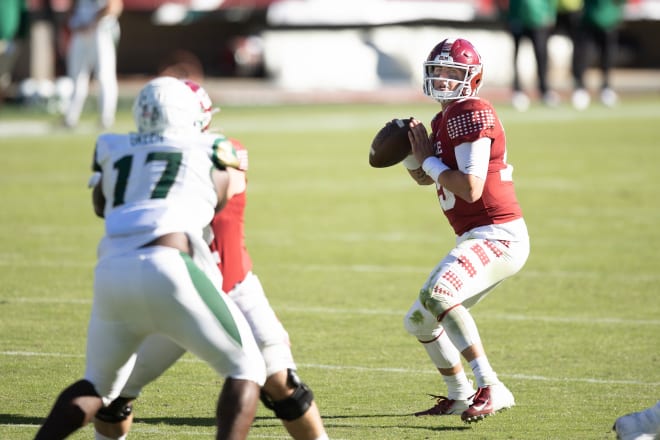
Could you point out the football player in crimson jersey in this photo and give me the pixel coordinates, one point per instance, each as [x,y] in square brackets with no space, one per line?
[284,393]
[282,388]
[465,157]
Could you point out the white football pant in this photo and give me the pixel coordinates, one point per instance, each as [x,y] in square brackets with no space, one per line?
[471,270]
[159,290]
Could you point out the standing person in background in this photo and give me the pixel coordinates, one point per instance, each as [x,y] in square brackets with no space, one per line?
[157,190]
[535,20]
[569,20]
[13,28]
[93,48]
[284,393]
[465,158]
[599,26]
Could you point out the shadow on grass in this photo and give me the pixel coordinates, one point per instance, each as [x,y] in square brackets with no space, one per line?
[329,421]
[15,419]
[433,423]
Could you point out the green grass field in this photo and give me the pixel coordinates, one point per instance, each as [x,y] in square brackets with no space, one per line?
[342,250]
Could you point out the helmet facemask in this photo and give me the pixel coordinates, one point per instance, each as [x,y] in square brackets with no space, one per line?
[205,103]
[452,71]
[445,88]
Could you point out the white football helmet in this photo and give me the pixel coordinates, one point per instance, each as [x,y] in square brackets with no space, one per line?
[167,105]
[461,56]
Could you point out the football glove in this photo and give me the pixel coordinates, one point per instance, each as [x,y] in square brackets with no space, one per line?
[224,154]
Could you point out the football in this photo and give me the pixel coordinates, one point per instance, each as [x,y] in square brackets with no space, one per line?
[391,144]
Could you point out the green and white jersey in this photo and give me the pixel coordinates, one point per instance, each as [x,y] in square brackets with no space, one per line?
[154,185]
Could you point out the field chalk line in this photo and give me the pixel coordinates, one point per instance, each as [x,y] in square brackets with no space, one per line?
[526,377]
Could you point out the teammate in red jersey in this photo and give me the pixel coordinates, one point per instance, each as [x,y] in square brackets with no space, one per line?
[465,157]
[284,393]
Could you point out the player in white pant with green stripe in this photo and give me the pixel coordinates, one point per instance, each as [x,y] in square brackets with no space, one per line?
[157,190]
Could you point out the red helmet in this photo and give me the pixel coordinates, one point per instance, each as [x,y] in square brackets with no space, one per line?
[459,55]
[205,103]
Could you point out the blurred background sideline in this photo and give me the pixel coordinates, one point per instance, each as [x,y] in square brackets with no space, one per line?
[279,51]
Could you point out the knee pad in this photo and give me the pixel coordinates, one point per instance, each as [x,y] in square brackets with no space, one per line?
[461,328]
[293,406]
[118,410]
[438,299]
[421,323]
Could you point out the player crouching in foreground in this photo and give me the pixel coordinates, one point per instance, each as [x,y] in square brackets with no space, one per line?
[290,399]
[465,158]
[157,190]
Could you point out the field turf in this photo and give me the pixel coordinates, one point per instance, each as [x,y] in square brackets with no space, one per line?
[342,249]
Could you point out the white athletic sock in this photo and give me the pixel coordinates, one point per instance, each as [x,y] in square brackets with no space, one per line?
[483,372]
[458,386]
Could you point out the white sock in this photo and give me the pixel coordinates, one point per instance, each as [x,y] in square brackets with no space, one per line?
[458,386]
[324,436]
[483,372]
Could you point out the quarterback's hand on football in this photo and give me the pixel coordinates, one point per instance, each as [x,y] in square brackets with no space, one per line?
[224,154]
[419,141]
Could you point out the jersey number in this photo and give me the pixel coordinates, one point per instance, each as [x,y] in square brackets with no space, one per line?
[167,179]
[447,198]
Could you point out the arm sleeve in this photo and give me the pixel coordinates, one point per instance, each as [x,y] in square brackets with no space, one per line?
[473,157]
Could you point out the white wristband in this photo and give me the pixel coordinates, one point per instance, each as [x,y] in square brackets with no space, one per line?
[94,179]
[411,163]
[434,167]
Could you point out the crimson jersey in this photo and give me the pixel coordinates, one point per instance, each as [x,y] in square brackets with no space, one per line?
[229,234]
[466,121]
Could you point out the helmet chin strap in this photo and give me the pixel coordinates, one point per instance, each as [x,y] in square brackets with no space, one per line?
[451,95]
